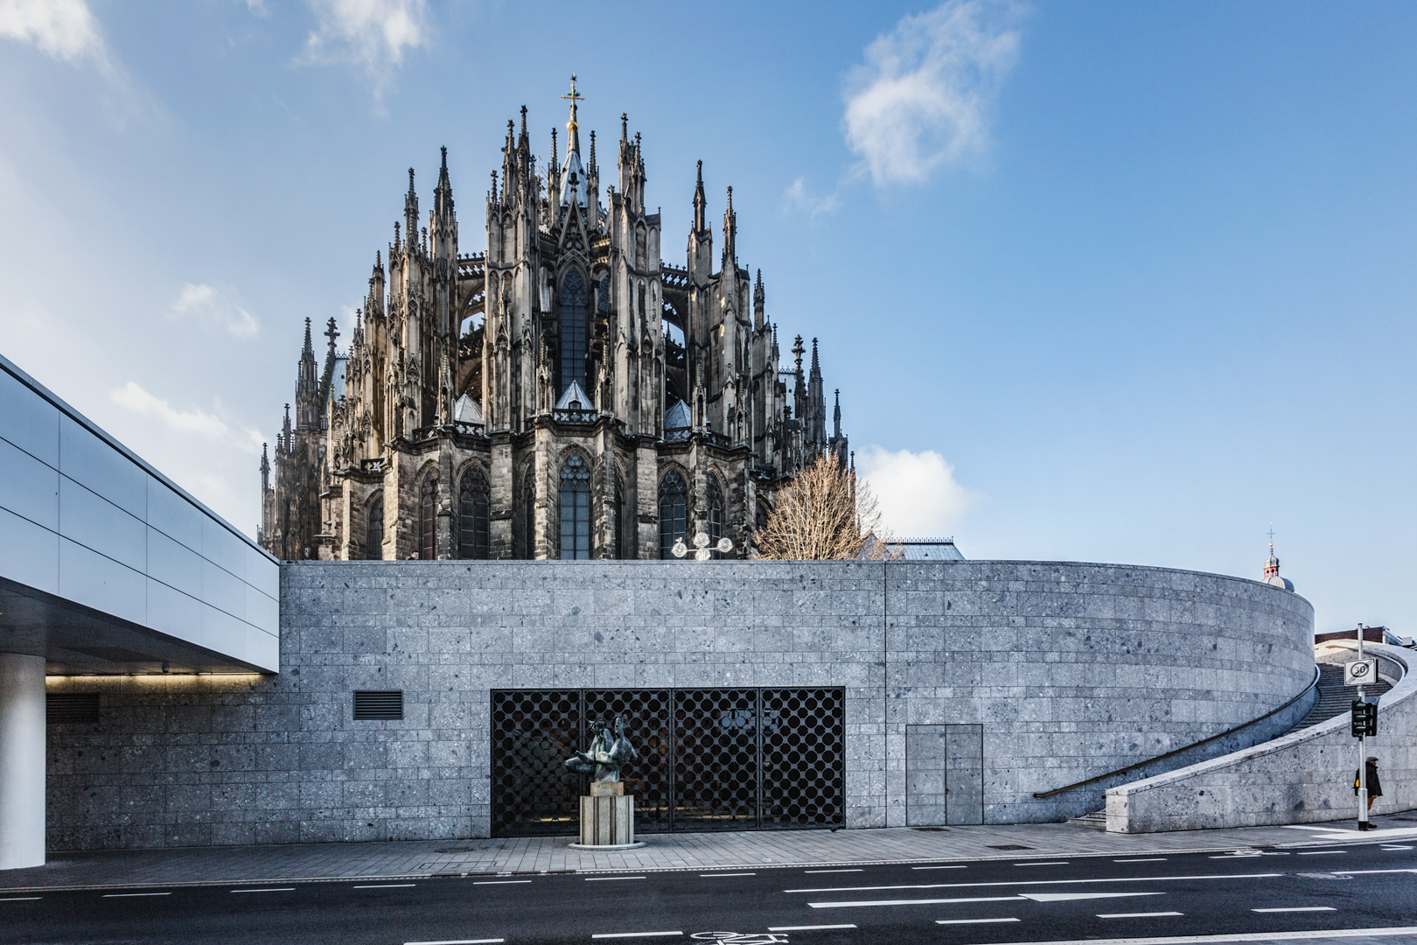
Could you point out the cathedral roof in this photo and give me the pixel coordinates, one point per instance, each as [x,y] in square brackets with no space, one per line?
[467,410]
[677,417]
[575,398]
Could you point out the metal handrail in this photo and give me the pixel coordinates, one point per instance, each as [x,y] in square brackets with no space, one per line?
[1313,683]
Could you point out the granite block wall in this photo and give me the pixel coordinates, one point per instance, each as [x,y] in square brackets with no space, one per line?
[1072,669]
[1303,777]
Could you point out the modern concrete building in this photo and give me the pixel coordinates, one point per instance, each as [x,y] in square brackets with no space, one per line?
[106,568]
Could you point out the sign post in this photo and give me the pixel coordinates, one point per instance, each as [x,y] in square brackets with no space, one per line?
[1358,673]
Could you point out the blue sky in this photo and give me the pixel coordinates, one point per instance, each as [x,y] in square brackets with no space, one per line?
[1110,281]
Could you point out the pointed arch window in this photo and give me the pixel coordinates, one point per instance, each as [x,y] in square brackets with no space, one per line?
[673,513]
[715,512]
[573,330]
[527,514]
[473,515]
[374,528]
[617,519]
[575,510]
[428,519]
[641,246]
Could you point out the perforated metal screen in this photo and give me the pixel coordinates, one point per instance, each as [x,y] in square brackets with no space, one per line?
[710,759]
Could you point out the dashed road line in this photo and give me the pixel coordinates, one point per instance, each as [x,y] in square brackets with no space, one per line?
[807,928]
[280,889]
[1297,909]
[1045,863]
[1319,852]
[133,895]
[810,872]
[21,898]
[1076,897]
[863,903]
[1062,882]
[500,882]
[635,934]
[716,875]
[972,921]
[938,867]
[1134,915]
[388,886]
[609,879]
[461,941]
[1234,937]
[1149,859]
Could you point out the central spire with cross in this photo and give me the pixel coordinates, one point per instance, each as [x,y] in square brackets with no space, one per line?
[573,142]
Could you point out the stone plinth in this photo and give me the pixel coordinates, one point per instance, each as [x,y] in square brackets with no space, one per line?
[607,816]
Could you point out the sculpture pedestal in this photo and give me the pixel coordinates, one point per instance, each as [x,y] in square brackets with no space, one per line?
[608,818]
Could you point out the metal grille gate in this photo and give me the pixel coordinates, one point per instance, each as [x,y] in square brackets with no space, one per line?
[710,759]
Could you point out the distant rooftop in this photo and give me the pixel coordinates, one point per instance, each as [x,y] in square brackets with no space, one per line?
[927,549]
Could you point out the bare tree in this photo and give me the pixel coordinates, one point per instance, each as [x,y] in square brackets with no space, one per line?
[824,513]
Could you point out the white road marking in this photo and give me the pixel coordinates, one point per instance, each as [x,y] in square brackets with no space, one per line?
[1149,859]
[906,902]
[1369,872]
[461,941]
[1047,863]
[499,882]
[1073,897]
[132,895]
[1060,882]
[281,889]
[1234,937]
[1319,852]
[609,879]
[712,875]
[1298,909]
[937,867]
[389,886]
[1395,846]
[635,934]
[970,921]
[806,928]
[809,872]
[21,899]
[1134,915]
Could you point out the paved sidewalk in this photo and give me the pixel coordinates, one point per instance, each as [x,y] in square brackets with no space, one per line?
[688,851]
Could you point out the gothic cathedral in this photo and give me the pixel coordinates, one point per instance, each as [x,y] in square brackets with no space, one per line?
[565,394]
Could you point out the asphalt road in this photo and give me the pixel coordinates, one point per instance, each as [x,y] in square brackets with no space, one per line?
[1329,888]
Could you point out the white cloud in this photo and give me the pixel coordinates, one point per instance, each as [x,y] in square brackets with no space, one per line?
[64,29]
[372,34]
[924,95]
[917,493]
[798,198]
[136,399]
[214,308]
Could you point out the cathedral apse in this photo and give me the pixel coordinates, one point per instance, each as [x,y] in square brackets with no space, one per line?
[565,394]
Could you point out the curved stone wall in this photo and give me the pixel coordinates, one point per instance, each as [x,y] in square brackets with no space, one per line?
[1055,671]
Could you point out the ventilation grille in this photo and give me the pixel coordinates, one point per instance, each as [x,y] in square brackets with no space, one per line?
[70,707]
[710,759]
[378,705]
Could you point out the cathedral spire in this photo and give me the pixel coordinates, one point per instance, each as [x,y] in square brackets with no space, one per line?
[759,297]
[573,143]
[730,232]
[410,212]
[836,416]
[573,186]
[700,203]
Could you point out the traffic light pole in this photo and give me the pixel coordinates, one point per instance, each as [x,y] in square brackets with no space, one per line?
[1362,756]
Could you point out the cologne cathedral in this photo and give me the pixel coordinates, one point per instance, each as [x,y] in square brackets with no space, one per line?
[566,394]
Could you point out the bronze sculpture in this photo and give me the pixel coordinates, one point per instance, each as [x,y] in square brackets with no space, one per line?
[608,753]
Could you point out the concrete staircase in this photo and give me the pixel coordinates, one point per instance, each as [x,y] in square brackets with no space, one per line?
[1334,697]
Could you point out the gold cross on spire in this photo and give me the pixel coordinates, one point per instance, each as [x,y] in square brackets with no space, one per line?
[574,97]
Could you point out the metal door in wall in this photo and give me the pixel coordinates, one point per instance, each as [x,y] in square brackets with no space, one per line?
[710,759]
[944,775]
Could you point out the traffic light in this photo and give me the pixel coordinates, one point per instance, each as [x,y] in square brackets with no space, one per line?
[1365,719]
